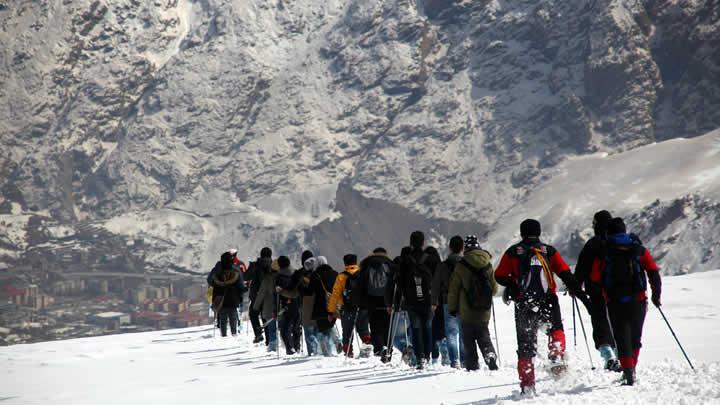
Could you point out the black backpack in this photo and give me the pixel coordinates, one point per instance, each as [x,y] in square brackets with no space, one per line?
[623,277]
[378,276]
[420,275]
[347,293]
[535,279]
[480,294]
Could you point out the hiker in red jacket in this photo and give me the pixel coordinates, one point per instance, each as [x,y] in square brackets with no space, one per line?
[526,270]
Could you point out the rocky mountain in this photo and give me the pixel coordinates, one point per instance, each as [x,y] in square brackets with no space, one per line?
[169,130]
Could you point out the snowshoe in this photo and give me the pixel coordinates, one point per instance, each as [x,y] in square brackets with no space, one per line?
[558,368]
[408,355]
[365,351]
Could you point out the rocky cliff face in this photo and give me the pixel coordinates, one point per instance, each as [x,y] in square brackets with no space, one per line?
[191,126]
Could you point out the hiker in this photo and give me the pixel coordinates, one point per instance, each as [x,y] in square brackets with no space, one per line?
[352,317]
[289,312]
[371,283]
[266,303]
[413,282]
[309,325]
[321,281]
[440,286]
[526,270]
[228,288]
[470,296]
[439,343]
[253,277]
[620,274]
[602,333]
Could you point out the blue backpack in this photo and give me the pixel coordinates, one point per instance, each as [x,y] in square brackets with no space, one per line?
[623,278]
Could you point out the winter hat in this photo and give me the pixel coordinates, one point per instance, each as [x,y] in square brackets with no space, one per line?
[380,251]
[310,264]
[266,252]
[615,226]
[283,262]
[456,244]
[349,259]
[530,227]
[233,252]
[417,239]
[226,260]
[305,255]
[471,242]
[321,260]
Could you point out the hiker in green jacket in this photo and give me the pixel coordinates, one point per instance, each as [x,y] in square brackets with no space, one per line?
[472,287]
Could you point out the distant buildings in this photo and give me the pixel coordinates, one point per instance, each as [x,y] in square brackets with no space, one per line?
[28,296]
[110,320]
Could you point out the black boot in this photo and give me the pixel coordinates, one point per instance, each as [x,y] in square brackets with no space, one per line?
[258,338]
[628,376]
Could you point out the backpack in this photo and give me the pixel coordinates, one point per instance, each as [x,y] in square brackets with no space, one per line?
[535,279]
[623,277]
[480,294]
[348,290]
[377,279]
[420,276]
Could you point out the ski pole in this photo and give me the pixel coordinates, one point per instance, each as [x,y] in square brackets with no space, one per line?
[277,324]
[582,325]
[574,326]
[676,338]
[497,342]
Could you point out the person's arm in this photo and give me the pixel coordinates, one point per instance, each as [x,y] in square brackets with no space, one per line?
[491,278]
[454,293]
[584,265]
[336,299]
[505,273]
[648,264]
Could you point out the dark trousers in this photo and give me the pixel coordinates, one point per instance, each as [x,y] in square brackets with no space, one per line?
[228,314]
[379,321]
[474,335]
[438,331]
[530,315]
[288,327]
[351,319]
[421,324]
[255,321]
[602,332]
[627,321]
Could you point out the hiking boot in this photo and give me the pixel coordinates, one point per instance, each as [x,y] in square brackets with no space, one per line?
[628,377]
[492,363]
[613,365]
[258,339]
[455,364]
[290,352]
[421,364]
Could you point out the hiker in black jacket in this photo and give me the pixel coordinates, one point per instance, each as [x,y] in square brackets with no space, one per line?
[440,286]
[594,249]
[228,288]
[413,281]
[254,275]
[321,283]
[369,294]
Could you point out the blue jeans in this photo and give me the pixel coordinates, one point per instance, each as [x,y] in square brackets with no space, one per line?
[271,335]
[453,333]
[421,323]
[311,339]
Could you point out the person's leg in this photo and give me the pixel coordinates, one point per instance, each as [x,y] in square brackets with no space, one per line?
[427,319]
[255,322]
[362,326]
[620,320]
[223,319]
[271,334]
[233,317]
[602,332]
[468,340]
[550,313]
[452,333]
[482,336]
[347,319]
[311,342]
[526,323]
[416,326]
[636,328]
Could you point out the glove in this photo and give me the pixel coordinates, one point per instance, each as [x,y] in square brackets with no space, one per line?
[656,298]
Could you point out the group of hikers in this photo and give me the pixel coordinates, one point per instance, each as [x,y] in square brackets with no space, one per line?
[426,306]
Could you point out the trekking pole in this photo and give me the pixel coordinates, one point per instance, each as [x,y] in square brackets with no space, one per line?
[676,338]
[574,327]
[352,335]
[582,325]
[497,342]
[277,325]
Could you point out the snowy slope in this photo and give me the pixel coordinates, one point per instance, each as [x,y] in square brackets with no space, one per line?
[191,367]
[626,184]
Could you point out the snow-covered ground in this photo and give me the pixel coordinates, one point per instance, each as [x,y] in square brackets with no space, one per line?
[189,366]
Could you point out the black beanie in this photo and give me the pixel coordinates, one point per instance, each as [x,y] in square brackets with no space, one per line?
[266,252]
[616,225]
[226,260]
[530,227]
[283,262]
[417,239]
[305,255]
[380,250]
[456,244]
[349,259]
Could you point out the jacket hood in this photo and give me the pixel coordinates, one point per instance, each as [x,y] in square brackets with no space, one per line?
[226,277]
[352,268]
[478,259]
